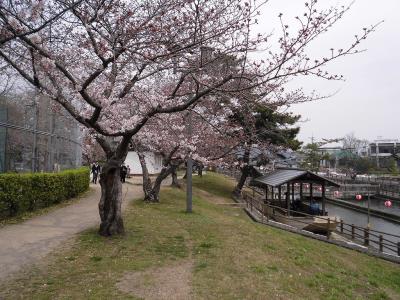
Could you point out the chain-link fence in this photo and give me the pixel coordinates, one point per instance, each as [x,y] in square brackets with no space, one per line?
[35,136]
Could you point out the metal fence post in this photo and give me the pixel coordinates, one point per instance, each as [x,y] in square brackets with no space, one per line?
[366,236]
[262,212]
[328,233]
[352,231]
[381,243]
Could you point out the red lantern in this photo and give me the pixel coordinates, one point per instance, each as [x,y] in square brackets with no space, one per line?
[388,203]
[358,197]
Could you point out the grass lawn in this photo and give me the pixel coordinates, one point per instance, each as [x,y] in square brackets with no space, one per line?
[230,257]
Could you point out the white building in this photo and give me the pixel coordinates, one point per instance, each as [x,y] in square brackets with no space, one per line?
[153,162]
[383,149]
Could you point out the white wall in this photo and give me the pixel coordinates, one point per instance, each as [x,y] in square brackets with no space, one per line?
[153,161]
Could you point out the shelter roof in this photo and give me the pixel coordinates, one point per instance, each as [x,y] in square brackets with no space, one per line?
[286,175]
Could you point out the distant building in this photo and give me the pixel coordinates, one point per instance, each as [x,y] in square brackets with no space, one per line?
[256,155]
[37,136]
[335,153]
[267,159]
[153,162]
[383,149]
[287,159]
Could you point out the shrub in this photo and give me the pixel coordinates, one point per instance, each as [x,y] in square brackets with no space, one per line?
[27,192]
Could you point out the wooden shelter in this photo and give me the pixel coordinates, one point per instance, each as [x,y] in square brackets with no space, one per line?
[285,177]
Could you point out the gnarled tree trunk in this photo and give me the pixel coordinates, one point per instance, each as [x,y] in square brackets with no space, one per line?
[245,173]
[154,195]
[174,174]
[152,190]
[147,185]
[111,199]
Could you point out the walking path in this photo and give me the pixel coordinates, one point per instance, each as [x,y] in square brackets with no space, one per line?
[24,244]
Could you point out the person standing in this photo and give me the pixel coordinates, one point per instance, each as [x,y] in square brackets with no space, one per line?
[200,168]
[95,172]
[128,172]
[123,172]
[98,169]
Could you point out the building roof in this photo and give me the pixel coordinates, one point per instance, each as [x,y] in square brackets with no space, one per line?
[286,175]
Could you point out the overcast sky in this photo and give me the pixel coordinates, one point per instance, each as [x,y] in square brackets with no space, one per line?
[367,102]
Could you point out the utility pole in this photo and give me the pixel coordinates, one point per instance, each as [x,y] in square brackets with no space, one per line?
[369,202]
[34,148]
[189,168]
[312,138]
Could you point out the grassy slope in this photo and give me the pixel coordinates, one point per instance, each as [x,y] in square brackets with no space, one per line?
[234,258]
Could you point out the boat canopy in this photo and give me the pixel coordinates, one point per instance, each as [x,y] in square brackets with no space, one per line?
[285,175]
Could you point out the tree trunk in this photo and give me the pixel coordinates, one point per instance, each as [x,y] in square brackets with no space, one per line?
[154,193]
[200,170]
[245,173]
[175,182]
[111,199]
[152,190]
[147,185]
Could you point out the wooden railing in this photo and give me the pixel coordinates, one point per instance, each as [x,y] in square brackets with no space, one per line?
[370,237]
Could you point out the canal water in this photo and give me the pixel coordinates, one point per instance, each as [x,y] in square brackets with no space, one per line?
[359,218]
[379,204]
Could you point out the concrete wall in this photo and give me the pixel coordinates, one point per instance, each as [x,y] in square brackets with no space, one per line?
[153,161]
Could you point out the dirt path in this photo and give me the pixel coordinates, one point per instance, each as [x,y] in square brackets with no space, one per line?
[24,244]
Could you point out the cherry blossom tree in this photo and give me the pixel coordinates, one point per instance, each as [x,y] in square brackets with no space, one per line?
[164,135]
[168,135]
[114,64]
[91,150]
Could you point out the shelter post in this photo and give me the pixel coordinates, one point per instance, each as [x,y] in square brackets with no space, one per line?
[288,198]
[266,194]
[323,197]
[301,191]
[311,194]
[280,195]
[293,191]
[272,194]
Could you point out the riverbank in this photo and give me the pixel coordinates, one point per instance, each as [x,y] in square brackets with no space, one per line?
[215,253]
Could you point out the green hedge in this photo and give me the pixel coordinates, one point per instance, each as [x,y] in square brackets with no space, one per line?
[27,192]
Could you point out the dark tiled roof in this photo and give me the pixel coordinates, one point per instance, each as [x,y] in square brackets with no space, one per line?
[282,176]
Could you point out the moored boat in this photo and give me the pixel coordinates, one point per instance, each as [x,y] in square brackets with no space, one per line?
[316,224]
